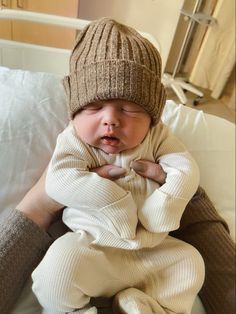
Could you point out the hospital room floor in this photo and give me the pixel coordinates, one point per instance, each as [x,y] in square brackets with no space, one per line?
[207,104]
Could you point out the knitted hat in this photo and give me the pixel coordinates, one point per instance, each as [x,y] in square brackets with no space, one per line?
[113,61]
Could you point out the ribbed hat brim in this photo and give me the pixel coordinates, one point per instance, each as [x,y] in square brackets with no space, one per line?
[117,79]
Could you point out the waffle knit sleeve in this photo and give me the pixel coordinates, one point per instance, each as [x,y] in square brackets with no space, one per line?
[163,209]
[22,246]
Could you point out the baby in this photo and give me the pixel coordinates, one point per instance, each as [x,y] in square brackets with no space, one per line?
[119,244]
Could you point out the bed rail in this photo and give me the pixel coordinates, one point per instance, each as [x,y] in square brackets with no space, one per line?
[43,18]
[26,56]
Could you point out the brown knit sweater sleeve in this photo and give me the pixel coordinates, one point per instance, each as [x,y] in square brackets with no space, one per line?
[202,227]
[22,246]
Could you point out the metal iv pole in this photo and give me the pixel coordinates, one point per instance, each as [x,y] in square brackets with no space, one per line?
[170,80]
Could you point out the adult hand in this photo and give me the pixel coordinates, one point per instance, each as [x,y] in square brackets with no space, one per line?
[38,206]
[150,170]
[110,172]
[145,168]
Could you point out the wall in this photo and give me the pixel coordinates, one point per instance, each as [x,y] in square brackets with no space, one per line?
[158,17]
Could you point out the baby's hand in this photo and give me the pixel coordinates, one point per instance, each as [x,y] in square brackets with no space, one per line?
[150,170]
[110,172]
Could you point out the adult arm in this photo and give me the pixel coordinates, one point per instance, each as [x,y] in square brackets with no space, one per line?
[23,242]
[202,227]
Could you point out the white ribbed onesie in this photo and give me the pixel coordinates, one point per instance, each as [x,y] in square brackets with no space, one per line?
[120,241]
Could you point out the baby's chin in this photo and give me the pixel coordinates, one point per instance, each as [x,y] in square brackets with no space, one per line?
[111,147]
[111,150]
[114,150]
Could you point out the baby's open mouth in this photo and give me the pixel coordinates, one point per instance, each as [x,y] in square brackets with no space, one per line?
[109,137]
[110,140]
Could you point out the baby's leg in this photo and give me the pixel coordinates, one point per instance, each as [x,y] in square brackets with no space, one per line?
[73,270]
[53,278]
[176,274]
[173,275]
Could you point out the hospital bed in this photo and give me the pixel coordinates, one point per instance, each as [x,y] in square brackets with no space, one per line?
[33,112]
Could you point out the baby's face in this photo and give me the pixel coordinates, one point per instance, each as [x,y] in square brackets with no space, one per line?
[112,125]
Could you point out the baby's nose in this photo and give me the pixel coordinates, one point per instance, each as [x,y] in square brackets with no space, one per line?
[111,118]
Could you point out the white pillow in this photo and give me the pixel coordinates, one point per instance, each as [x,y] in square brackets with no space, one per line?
[211,140]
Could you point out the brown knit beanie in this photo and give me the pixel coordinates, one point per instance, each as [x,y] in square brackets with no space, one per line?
[113,61]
